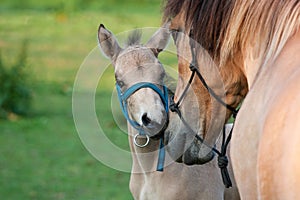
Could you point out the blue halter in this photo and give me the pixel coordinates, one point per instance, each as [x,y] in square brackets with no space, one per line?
[123,96]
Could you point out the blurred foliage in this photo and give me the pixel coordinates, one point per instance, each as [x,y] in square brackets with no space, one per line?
[70,5]
[15,95]
[42,157]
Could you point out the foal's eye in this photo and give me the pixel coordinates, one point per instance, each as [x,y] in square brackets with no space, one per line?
[120,83]
[162,75]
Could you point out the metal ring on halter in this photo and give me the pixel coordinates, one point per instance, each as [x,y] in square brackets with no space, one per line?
[139,145]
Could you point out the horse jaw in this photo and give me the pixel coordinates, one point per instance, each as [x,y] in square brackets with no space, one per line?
[182,146]
[194,154]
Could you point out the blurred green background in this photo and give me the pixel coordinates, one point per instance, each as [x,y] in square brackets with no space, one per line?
[41,155]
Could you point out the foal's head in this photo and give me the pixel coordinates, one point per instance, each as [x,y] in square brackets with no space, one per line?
[137,63]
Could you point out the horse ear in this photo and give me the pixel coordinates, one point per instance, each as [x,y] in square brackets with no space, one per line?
[160,39]
[108,43]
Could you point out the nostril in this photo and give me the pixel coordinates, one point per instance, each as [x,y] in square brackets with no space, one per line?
[145,119]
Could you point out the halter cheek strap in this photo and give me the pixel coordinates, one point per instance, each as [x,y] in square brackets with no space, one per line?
[163,94]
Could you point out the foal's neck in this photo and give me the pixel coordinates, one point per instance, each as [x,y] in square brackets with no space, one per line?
[144,159]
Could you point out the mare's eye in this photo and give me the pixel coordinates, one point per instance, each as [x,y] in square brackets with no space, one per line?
[174,34]
[191,35]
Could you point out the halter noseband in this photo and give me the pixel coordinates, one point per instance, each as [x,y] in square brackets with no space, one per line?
[123,96]
[163,94]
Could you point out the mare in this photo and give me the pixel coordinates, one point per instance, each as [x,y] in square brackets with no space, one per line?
[255,46]
[145,111]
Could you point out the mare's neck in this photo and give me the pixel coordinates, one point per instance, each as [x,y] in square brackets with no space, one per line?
[257,61]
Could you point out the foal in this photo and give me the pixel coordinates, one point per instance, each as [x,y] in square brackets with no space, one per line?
[146,113]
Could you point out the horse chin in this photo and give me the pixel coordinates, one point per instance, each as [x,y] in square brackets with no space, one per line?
[155,131]
[191,153]
[197,155]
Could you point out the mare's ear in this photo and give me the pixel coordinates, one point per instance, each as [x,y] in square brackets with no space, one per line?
[108,43]
[160,39]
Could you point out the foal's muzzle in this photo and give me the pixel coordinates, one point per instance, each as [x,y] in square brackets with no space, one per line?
[148,125]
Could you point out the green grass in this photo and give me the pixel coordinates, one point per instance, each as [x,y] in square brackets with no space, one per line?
[42,157]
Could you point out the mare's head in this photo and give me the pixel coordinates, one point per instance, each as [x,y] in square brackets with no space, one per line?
[202,24]
[136,63]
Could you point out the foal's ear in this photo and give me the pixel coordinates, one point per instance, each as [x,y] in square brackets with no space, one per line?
[108,43]
[160,39]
